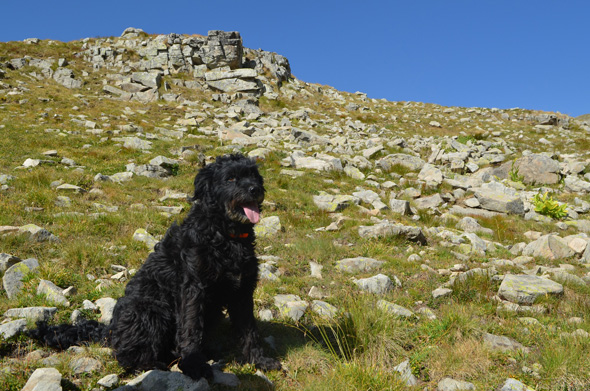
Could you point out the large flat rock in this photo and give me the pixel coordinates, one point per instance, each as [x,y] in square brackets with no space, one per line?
[525,289]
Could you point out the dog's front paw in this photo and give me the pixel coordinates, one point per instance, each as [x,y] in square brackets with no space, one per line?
[267,364]
[198,371]
[195,368]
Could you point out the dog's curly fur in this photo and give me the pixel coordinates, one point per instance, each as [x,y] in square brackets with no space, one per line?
[205,264]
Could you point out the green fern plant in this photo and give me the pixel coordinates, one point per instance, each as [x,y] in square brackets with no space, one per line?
[547,206]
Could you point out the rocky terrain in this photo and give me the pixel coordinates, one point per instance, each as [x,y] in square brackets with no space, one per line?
[404,245]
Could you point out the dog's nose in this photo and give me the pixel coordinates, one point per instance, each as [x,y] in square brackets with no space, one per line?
[254,190]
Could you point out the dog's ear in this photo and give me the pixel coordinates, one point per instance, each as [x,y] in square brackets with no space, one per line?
[204,184]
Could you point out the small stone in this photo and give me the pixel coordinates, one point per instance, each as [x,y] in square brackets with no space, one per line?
[106,305]
[323,309]
[379,284]
[12,279]
[395,309]
[441,292]
[358,264]
[109,381]
[405,371]
[268,227]
[85,365]
[316,269]
[515,385]
[32,313]
[52,292]
[141,235]
[66,187]
[44,379]
[13,328]
[448,384]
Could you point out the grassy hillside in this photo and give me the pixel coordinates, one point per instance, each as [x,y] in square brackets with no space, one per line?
[360,347]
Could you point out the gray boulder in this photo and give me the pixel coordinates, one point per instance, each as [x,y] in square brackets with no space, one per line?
[333,203]
[498,198]
[136,143]
[358,264]
[410,162]
[268,227]
[549,247]
[323,309]
[448,384]
[6,261]
[32,313]
[515,385]
[525,289]
[44,379]
[82,365]
[379,284]
[469,224]
[502,343]
[405,373]
[431,174]
[13,328]
[222,49]
[395,309]
[386,228]
[534,169]
[291,306]
[147,79]
[14,275]
[65,77]
[401,207]
[429,202]
[576,185]
[52,293]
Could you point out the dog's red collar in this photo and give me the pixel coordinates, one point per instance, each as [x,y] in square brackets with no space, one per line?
[240,236]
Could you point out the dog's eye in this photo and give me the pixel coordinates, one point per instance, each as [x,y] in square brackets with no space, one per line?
[232,179]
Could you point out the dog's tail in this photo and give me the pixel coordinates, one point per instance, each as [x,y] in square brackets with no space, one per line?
[65,335]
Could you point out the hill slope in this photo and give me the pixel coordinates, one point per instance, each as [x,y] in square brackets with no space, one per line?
[407,231]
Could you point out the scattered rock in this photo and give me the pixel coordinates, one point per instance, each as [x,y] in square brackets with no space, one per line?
[141,235]
[32,313]
[268,227]
[405,371]
[44,379]
[52,292]
[378,284]
[385,229]
[358,264]
[12,281]
[525,289]
[84,365]
[106,306]
[448,384]
[395,309]
[291,306]
[13,328]
[498,342]
[515,385]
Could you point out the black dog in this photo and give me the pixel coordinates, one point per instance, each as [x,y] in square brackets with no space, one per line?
[202,266]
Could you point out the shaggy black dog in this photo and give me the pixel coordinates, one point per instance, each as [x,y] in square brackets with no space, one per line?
[202,266]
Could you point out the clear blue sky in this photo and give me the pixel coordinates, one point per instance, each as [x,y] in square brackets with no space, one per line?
[517,53]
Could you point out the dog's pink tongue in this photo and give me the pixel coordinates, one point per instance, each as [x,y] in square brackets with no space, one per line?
[252,212]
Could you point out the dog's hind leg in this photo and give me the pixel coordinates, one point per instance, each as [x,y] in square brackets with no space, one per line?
[142,333]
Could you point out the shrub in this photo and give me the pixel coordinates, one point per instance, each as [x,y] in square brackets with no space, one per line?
[547,206]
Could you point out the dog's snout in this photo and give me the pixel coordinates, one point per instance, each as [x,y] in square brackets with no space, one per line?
[254,190]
